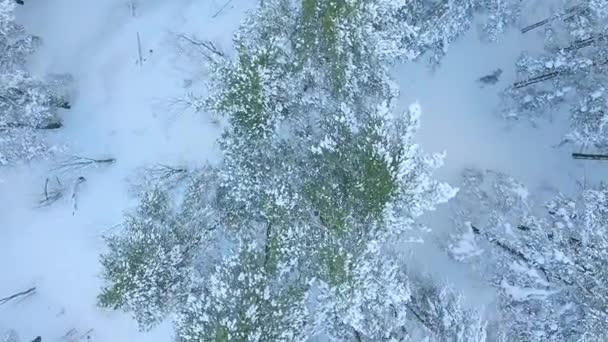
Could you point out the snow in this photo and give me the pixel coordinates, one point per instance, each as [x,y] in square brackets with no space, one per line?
[561,257]
[520,293]
[129,112]
[120,109]
[466,247]
[461,118]
[522,192]
[533,274]
[597,94]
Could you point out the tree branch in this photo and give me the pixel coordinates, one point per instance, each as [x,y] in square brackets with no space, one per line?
[18,294]
[76,162]
[424,322]
[221,9]
[204,46]
[512,251]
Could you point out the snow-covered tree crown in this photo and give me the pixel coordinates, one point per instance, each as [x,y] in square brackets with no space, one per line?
[319,172]
[544,260]
[28,105]
[571,70]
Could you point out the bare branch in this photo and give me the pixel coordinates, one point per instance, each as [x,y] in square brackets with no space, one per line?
[79,181]
[159,175]
[166,170]
[512,251]
[132,8]
[46,189]
[73,335]
[205,47]
[140,60]
[9,101]
[221,9]
[52,192]
[418,316]
[78,162]
[25,293]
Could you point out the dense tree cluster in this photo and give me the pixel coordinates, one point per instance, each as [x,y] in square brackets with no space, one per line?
[28,104]
[545,260]
[291,236]
[571,71]
[319,174]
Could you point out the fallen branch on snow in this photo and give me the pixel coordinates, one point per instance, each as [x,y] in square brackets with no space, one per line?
[589,156]
[25,293]
[566,15]
[74,336]
[221,9]
[161,172]
[75,190]
[537,79]
[159,175]
[77,162]
[206,47]
[52,192]
[140,60]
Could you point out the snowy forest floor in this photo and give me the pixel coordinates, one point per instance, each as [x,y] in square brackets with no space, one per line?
[128,111]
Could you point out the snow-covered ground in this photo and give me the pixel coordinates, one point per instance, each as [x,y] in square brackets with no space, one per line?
[128,111]
[121,110]
[461,117]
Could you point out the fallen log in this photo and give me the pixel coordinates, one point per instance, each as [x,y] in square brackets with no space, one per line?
[27,292]
[42,126]
[566,15]
[536,79]
[589,156]
[78,162]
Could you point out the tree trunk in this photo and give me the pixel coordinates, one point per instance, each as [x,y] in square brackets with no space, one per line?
[50,125]
[17,295]
[357,336]
[589,156]
[267,246]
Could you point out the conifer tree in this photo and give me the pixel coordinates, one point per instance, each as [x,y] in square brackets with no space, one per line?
[28,105]
[319,174]
[571,72]
[544,260]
